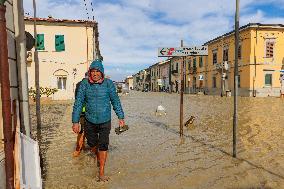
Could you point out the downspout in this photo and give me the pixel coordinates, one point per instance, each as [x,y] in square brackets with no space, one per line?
[22,67]
[6,100]
[254,78]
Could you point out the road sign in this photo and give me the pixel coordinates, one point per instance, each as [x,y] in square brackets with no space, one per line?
[182,51]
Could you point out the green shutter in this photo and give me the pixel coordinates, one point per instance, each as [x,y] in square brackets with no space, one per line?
[268,79]
[194,62]
[200,62]
[59,43]
[40,42]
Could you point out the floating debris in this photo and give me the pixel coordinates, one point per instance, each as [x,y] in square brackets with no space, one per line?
[189,121]
[160,111]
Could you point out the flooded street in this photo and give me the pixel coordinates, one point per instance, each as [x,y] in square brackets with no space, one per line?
[152,155]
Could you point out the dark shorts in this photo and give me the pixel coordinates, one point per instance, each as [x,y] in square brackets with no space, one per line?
[98,135]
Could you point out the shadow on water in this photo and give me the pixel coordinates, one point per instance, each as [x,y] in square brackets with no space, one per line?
[166,127]
[51,116]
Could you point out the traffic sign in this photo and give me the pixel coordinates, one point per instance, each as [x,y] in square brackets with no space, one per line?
[182,51]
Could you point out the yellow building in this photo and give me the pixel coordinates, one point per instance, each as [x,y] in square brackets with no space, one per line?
[261,60]
[196,74]
[66,49]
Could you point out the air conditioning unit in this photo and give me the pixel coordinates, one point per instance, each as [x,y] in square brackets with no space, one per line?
[29,56]
[225,65]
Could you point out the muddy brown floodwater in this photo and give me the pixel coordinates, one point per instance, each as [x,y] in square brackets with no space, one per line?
[152,155]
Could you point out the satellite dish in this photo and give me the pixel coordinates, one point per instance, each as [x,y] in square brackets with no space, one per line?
[30,41]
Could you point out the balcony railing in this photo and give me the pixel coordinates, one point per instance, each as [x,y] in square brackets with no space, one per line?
[174,72]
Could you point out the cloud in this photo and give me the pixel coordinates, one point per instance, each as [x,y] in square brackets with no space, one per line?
[131,31]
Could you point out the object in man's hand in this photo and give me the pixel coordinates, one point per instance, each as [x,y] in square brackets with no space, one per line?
[119,129]
[190,121]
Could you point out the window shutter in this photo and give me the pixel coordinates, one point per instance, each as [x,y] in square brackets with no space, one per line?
[59,43]
[268,79]
[40,42]
[270,43]
[194,62]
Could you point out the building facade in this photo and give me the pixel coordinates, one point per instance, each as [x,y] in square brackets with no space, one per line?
[129,82]
[260,57]
[196,74]
[65,50]
[164,81]
[175,64]
[154,70]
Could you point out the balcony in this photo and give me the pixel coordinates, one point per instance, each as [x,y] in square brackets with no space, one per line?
[224,65]
[175,72]
[192,70]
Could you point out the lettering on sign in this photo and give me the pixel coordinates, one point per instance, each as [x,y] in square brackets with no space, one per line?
[183,51]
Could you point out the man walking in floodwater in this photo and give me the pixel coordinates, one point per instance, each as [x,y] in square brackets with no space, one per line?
[97,93]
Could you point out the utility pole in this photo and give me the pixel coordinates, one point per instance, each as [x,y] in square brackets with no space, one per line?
[36,60]
[235,118]
[181,93]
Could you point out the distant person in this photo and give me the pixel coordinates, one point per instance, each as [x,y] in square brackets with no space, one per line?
[97,93]
[81,135]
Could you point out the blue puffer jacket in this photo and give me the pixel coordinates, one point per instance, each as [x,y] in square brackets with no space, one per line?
[97,98]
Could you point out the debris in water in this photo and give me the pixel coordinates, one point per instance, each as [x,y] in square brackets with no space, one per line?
[189,121]
[160,111]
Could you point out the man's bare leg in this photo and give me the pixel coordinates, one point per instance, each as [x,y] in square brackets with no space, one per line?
[102,160]
[95,151]
[78,149]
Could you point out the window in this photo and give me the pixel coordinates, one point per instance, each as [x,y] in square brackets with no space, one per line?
[61,82]
[194,62]
[240,52]
[214,84]
[40,42]
[215,57]
[200,62]
[269,48]
[177,66]
[225,54]
[59,43]
[268,79]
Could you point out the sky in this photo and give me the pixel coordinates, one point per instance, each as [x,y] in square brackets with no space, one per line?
[132,30]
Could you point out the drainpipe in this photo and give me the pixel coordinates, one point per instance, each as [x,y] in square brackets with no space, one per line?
[22,67]
[6,100]
[254,78]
